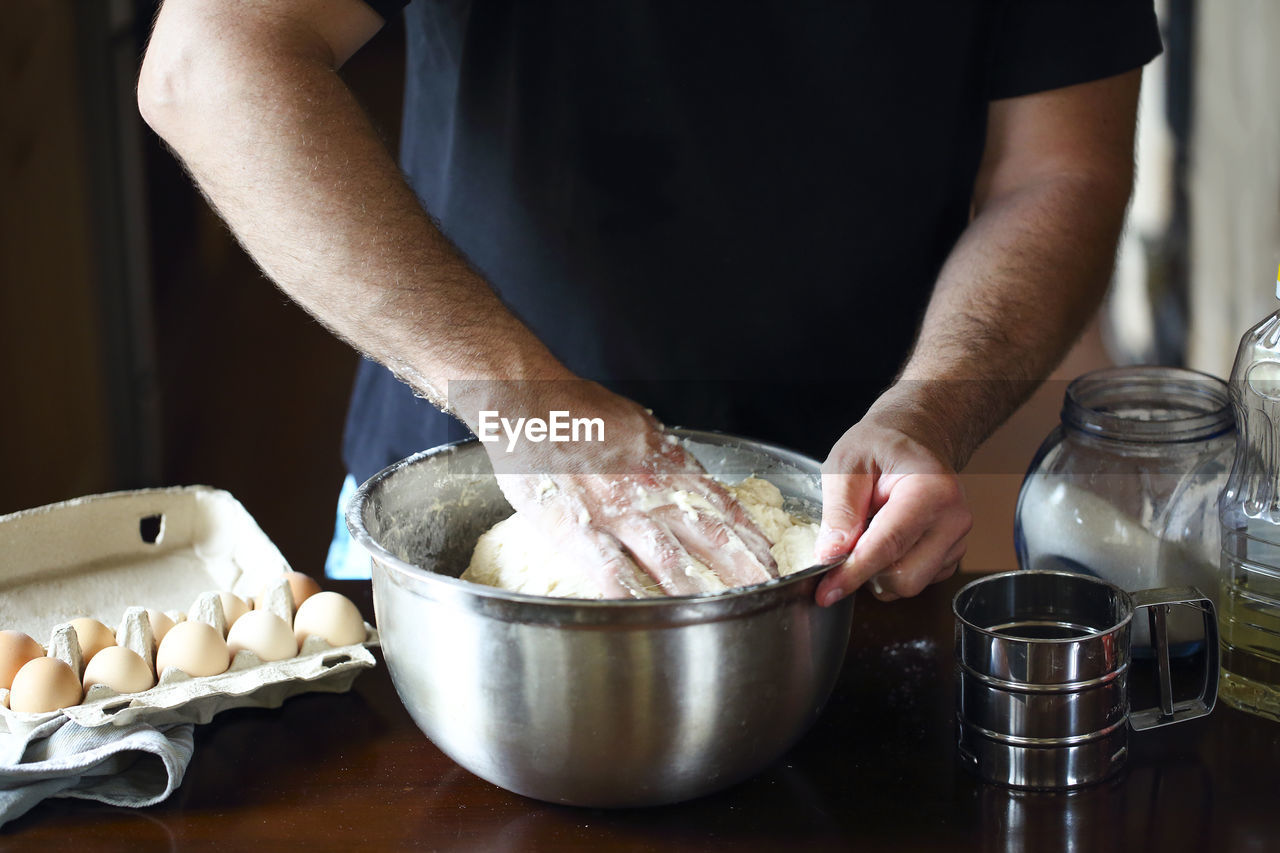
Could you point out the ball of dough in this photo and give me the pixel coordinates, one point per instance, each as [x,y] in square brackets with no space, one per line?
[514,555]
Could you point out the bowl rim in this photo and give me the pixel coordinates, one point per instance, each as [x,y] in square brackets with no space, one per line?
[456,586]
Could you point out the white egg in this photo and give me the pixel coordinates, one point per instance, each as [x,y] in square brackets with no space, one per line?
[120,669]
[263,633]
[331,616]
[196,648]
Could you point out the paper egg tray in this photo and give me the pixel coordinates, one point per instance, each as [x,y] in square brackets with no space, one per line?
[109,556]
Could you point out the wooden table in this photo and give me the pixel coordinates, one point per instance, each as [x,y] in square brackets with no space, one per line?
[877,772]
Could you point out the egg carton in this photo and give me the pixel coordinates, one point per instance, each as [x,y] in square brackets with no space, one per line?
[111,556]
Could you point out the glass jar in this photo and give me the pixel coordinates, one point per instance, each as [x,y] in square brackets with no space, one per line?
[1126,487]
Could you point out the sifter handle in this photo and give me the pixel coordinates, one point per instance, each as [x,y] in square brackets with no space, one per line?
[1158,603]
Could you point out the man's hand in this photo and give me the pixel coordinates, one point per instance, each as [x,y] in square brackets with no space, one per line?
[891,502]
[635,512]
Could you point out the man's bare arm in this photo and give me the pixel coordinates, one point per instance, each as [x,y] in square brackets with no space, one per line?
[248,96]
[1036,261]
[251,102]
[1015,292]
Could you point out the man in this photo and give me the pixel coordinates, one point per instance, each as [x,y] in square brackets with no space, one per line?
[736,214]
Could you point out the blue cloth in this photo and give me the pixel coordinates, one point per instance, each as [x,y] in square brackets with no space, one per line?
[346,560]
[134,765]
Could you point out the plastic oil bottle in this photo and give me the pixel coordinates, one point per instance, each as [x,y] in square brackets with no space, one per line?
[1249,511]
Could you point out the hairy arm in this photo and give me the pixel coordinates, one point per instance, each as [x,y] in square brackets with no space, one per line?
[252,103]
[248,95]
[1026,275]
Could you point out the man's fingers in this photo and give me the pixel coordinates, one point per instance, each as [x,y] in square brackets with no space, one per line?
[660,554]
[947,571]
[846,503]
[737,519]
[920,503]
[934,558]
[714,544]
[612,572]
[890,535]
[925,514]
[951,562]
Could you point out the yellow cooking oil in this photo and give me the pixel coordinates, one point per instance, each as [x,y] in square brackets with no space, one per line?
[1249,521]
[1249,636]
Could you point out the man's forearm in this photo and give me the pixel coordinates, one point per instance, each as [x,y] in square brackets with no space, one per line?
[1028,273]
[1031,268]
[257,112]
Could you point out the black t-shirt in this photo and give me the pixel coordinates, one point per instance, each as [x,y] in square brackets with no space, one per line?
[732,212]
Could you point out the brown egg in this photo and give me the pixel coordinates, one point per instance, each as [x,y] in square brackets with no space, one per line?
[44,684]
[93,636]
[196,648]
[160,623]
[120,669]
[16,648]
[233,607]
[301,587]
[329,615]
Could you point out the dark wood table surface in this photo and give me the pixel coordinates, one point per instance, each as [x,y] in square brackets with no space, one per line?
[877,772]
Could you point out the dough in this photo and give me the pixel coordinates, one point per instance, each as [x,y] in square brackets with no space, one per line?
[513,555]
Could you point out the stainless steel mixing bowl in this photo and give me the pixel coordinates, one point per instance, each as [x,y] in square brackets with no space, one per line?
[592,703]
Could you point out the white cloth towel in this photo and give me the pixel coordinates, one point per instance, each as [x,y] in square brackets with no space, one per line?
[134,765]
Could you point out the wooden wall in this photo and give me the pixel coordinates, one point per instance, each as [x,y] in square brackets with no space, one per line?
[53,430]
[252,392]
